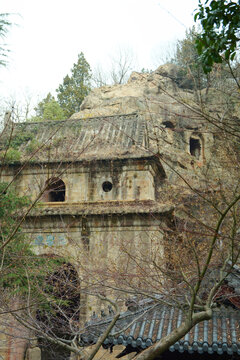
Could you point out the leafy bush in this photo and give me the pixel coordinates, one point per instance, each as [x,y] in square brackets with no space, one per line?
[11,155]
[21,138]
[20,267]
[32,146]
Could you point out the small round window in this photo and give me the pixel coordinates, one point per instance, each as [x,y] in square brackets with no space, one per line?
[107,186]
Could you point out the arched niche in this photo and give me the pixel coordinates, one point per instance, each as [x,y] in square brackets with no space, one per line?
[63,285]
[55,190]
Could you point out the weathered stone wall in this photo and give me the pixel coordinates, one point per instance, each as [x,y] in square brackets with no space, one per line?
[91,225]
[13,336]
[131,180]
[96,243]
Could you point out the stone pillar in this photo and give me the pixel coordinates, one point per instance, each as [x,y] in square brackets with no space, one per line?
[33,354]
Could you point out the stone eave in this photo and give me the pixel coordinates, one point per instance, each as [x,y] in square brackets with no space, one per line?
[151,158]
[101,208]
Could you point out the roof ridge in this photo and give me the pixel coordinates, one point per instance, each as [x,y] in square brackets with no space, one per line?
[73,120]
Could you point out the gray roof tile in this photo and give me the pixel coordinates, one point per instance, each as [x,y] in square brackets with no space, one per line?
[109,137]
[143,328]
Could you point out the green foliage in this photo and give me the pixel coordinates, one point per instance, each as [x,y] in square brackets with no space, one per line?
[14,254]
[220,21]
[53,111]
[9,201]
[32,146]
[20,267]
[4,26]
[20,138]
[75,87]
[11,142]
[186,56]
[12,155]
[48,109]
[41,105]
[146,71]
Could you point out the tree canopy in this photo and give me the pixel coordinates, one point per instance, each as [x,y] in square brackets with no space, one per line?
[220,22]
[187,58]
[74,88]
[48,109]
[18,264]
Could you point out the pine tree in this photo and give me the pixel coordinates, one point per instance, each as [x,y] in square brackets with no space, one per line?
[48,109]
[75,87]
[192,74]
[187,58]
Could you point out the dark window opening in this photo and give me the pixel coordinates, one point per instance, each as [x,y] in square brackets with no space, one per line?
[195,147]
[107,186]
[55,191]
[168,124]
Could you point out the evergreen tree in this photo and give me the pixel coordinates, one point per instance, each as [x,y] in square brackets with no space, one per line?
[48,109]
[75,87]
[18,263]
[187,58]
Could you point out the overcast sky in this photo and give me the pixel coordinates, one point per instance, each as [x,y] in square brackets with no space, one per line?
[49,34]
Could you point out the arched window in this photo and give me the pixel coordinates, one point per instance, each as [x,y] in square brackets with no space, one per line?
[55,191]
[195,147]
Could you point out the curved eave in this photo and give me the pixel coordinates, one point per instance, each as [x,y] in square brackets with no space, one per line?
[219,335]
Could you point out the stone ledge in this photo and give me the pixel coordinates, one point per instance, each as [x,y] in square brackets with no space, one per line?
[101,207]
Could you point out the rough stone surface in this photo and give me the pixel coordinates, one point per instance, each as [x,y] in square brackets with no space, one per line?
[33,354]
[145,93]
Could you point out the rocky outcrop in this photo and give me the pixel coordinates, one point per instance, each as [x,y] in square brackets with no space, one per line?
[161,99]
[143,93]
[166,99]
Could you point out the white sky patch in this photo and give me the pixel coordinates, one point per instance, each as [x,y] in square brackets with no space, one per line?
[50,34]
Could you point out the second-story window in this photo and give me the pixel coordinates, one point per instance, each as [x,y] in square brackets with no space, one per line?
[55,191]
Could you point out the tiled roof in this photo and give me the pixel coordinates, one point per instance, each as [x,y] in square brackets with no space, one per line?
[219,335]
[109,137]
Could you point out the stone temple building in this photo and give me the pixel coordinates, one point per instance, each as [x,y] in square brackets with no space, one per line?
[109,176]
